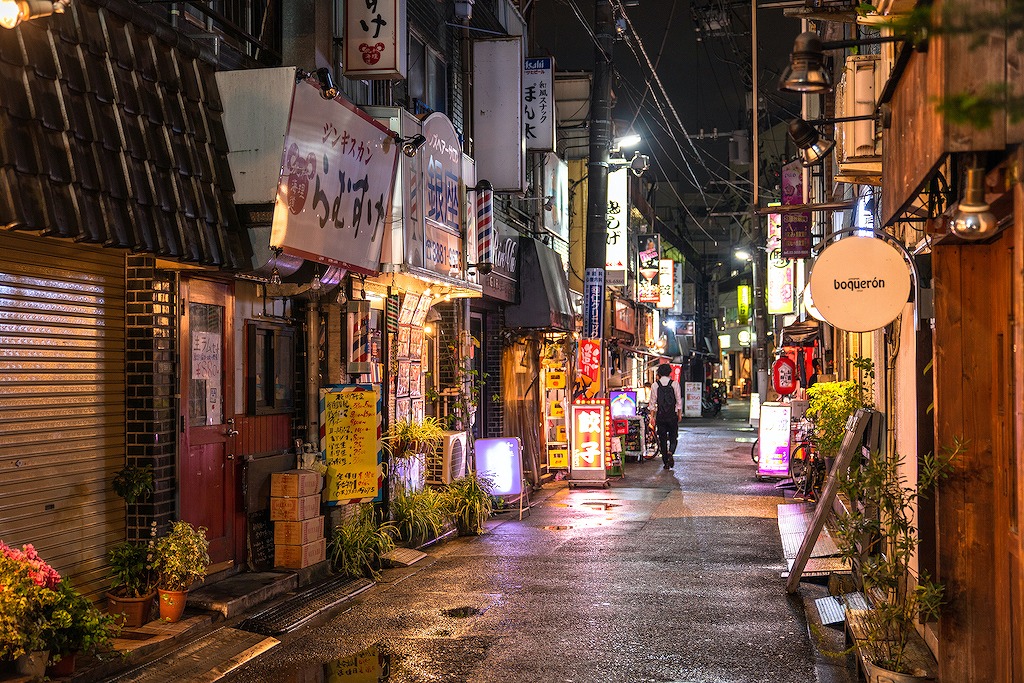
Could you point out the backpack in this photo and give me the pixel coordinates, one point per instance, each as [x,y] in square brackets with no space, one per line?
[666,403]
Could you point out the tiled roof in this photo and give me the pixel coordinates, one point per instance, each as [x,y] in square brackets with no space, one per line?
[111,133]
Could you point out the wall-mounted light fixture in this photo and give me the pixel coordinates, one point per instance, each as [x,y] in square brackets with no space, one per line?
[13,12]
[972,219]
[328,89]
[483,268]
[464,10]
[806,72]
[410,146]
[813,147]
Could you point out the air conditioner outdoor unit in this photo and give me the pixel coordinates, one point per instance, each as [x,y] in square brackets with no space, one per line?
[448,462]
[858,143]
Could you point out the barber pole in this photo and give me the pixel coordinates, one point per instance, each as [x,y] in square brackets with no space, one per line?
[484,224]
[359,334]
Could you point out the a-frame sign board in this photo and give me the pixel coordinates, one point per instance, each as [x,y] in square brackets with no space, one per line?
[855,427]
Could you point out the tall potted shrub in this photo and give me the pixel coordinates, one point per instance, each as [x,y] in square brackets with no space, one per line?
[132,581]
[181,558]
[879,536]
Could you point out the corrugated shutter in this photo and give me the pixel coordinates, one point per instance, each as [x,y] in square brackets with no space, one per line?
[62,402]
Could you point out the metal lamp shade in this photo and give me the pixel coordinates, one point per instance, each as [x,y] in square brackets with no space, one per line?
[805,73]
[813,148]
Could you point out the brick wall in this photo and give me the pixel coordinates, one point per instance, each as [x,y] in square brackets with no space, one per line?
[493,349]
[151,386]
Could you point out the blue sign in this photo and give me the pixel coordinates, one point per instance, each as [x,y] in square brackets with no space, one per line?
[593,303]
[539,63]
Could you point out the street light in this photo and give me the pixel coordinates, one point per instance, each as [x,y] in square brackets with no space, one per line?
[13,12]
[806,72]
[972,220]
[813,148]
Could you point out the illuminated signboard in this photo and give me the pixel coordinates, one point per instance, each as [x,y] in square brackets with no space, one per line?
[666,279]
[623,403]
[773,440]
[743,303]
[591,443]
[501,461]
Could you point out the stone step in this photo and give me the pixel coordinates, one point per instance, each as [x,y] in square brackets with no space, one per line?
[240,593]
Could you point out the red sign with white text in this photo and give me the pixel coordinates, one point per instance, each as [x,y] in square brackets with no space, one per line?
[784,378]
[589,436]
[590,358]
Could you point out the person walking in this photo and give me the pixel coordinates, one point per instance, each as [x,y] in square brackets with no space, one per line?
[666,411]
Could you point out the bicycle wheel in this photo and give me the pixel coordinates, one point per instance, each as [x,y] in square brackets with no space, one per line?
[798,464]
[753,452]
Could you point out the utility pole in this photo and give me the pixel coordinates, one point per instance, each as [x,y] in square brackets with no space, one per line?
[597,172]
[759,270]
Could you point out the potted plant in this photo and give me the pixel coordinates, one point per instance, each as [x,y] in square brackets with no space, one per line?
[75,626]
[132,582]
[134,483]
[358,543]
[470,503]
[419,517]
[26,601]
[878,535]
[407,443]
[180,559]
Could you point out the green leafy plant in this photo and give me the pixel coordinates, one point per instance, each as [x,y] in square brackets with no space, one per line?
[420,516]
[75,625]
[830,405]
[358,543]
[879,537]
[134,483]
[131,569]
[181,557]
[28,595]
[470,502]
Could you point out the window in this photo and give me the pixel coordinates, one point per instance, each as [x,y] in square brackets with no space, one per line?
[270,375]
[427,78]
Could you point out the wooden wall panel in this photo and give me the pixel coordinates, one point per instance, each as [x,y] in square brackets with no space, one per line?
[263,434]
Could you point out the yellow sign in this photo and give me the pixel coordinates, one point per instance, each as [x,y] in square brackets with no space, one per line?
[557,410]
[560,433]
[350,419]
[558,457]
[743,300]
[554,380]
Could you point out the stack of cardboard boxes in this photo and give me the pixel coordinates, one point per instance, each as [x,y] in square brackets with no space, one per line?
[298,525]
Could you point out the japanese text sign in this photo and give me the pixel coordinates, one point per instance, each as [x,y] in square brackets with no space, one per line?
[666,279]
[743,301]
[590,358]
[590,436]
[337,175]
[350,441]
[441,172]
[796,226]
[539,104]
[375,39]
[780,270]
[616,249]
[593,303]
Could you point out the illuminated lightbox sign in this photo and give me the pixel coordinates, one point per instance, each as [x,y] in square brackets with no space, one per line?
[773,435]
[591,440]
[501,460]
[623,404]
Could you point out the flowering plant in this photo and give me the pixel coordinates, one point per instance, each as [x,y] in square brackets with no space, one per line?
[28,592]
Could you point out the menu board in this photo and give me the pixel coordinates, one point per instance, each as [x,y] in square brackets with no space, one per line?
[350,417]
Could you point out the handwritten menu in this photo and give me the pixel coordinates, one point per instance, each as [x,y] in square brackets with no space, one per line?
[350,441]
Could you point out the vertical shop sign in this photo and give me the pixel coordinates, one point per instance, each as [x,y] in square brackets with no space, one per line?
[796,226]
[442,206]
[590,359]
[538,104]
[590,437]
[649,262]
[593,303]
[350,418]
[780,270]
[556,186]
[375,39]
[666,280]
[616,249]
[743,303]
[337,174]
[692,399]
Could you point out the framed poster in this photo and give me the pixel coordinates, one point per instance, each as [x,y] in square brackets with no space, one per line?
[416,406]
[403,378]
[415,343]
[402,408]
[350,420]
[409,303]
[403,341]
[415,379]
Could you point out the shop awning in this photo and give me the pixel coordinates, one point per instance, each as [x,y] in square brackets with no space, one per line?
[800,334]
[111,133]
[543,291]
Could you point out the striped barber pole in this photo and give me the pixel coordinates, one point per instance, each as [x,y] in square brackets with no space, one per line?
[484,224]
[359,334]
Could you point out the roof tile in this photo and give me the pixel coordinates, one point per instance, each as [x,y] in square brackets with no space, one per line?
[10,49]
[92,226]
[56,156]
[72,71]
[23,138]
[38,50]
[14,86]
[47,101]
[99,78]
[127,92]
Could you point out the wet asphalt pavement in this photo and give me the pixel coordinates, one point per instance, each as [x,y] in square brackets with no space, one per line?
[665,576]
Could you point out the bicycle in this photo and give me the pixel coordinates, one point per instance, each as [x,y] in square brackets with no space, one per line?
[651,448]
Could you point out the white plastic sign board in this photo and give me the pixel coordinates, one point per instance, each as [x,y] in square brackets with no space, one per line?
[773,436]
[691,399]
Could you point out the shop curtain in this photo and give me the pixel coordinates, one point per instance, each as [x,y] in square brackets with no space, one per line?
[520,367]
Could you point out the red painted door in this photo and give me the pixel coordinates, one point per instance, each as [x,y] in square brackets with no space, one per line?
[207,461]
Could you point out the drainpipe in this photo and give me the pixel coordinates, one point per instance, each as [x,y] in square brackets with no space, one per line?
[313,372]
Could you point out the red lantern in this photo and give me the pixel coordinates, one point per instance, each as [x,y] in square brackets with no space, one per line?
[784,376]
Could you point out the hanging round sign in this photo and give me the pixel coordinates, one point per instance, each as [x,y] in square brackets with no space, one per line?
[860,284]
[784,376]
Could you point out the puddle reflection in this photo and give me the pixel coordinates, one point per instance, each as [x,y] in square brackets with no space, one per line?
[372,665]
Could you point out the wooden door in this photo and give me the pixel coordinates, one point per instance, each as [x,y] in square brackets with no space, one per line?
[206,460]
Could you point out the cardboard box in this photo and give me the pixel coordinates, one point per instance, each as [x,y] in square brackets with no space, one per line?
[300,556]
[295,483]
[299,533]
[294,509]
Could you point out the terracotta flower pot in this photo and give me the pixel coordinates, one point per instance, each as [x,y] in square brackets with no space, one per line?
[136,611]
[172,604]
[65,667]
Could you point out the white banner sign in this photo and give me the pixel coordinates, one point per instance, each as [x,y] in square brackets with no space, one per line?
[375,43]
[617,250]
[691,399]
[666,282]
[780,270]
[337,175]
[539,104]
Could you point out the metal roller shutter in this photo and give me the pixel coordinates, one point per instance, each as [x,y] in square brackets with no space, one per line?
[62,402]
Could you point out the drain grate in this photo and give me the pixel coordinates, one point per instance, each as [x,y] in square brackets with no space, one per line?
[206,659]
[302,607]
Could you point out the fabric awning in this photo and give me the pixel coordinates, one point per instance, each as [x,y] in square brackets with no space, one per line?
[800,333]
[543,291]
